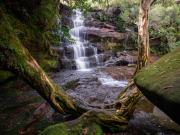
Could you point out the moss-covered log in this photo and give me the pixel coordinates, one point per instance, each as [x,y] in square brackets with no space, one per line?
[90,123]
[127,100]
[15,58]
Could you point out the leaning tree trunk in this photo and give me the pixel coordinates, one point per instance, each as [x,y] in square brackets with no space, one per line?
[15,58]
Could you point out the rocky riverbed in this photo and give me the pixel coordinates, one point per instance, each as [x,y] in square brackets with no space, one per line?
[94,86]
[102,86]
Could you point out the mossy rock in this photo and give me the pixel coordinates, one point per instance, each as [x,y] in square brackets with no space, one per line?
[160,83]
[73,129]
[71,85]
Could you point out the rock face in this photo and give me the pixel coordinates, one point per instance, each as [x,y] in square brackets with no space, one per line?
[160,83]
[107,33]
[122,59]
[66,12]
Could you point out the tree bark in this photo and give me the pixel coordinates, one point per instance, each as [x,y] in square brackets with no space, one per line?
[131,95]
[143,35]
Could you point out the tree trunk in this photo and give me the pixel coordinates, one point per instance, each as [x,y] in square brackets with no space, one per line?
[143,35]
[130,96]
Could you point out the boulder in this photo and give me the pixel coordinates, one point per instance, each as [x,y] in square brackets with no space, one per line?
[160,83]
[122,59]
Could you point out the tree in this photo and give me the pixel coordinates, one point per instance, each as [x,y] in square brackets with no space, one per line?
[143,34]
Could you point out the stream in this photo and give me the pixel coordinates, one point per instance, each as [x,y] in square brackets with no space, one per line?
[92,82]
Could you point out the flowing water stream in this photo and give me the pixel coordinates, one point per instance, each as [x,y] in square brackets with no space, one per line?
[80,45]
[84,60]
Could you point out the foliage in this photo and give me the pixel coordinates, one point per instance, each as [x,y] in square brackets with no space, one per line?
[164,24]
[120,24]
[130,11]
[84,5]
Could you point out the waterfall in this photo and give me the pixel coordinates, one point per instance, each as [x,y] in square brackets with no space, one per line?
[80,45]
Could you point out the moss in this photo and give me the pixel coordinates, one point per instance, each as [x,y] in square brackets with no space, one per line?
[32,23]
[77,129]
[48,64]
[70,85]
[162,74]
[160,82]
[58,129]
[35,34]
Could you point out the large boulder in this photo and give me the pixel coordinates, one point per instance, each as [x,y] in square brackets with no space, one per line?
[160,83]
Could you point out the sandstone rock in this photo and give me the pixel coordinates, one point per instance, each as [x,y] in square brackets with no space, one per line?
[160,83]
[106,33]
[122,59]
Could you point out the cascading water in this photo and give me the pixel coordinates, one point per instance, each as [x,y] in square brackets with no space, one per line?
[80,45]
[85,54]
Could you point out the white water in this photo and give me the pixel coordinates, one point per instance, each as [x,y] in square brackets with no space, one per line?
[80,44]
[107,80]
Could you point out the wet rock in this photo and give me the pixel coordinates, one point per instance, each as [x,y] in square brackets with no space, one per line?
[89,51]
[104,33]
[68,63]
[120,73]
[69,52]
[71,84]
[111,62]
[57,51]
[65,13]
[121,59]
[122,62]
[89,88]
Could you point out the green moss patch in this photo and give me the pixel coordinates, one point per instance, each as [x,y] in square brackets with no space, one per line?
[75,129]
[71,85]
